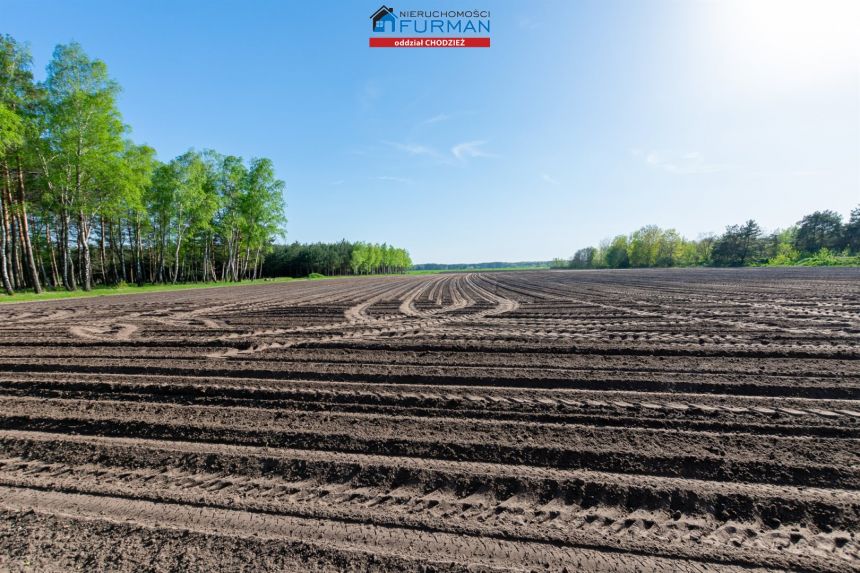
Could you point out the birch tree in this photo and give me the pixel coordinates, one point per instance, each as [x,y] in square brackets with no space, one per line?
[84,131]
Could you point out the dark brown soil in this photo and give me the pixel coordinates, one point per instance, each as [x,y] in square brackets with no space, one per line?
[679,420]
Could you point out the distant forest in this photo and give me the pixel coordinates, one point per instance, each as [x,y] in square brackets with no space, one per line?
[481,266]
[819,239]
[343,258]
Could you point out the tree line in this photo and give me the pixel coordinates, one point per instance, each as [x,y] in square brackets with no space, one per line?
[481,266]
[343,258]
[821,238]
[81,204]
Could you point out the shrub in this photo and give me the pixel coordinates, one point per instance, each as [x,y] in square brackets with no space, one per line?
[823,258]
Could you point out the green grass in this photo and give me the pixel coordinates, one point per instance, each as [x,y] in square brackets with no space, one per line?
[129,289]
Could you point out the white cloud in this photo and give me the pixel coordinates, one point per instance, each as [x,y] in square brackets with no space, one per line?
[338,182]
[445,116]
[436,118]
[796,173]
[395,179]
[412,148]
[549,179]
[468,149]
[688,163]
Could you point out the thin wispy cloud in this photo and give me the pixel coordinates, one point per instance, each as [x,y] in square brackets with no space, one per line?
[393,179]
[549,179]
[437,118]
[791,173]
[461,151]
[338,182]
[412,148]
[689,163]
[445,116]
[470,149]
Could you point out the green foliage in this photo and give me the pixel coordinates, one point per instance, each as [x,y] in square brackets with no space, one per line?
[826,258]
[784,259]
[739,245]
[643,246]
[343,258]
[820,230]
[11,128]
[782,248]
[852,232]
[494,266]
[129,177]
[200,216]
[616,253]
[16,83]
[413,271]
[84,128]
[583,258]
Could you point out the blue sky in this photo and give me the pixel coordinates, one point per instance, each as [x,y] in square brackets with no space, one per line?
[584,119]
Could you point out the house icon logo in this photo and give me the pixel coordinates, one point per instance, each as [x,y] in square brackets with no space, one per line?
[382,17]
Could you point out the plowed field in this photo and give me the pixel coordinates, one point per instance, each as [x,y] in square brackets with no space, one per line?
[677,420]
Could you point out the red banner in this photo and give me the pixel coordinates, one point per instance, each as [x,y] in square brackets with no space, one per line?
[429,42]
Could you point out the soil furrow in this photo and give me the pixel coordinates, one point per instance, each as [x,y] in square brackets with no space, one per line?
[641,420]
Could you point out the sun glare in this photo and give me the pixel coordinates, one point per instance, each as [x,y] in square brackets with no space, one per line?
[788,42]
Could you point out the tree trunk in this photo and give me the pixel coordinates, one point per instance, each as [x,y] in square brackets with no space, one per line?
[205,261]
[118,262]
[23,274]
[25,233]
[84,246]
[8,222]
[162,264]
[46,280]
[4,267]
[65,254]
[134,264]
[55,272]
[256,264]
[176,256]
[102,254]
[236,257]
[212,262]
[151,264]
[137,249]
